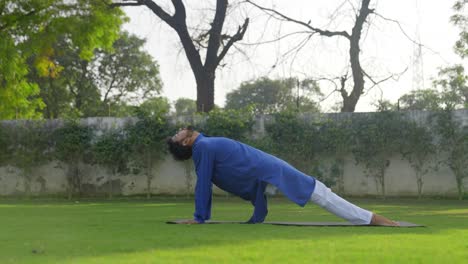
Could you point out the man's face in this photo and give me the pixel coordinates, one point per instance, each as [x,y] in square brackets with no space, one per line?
[181,135]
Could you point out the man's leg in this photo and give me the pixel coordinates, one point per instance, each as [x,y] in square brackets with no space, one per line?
[328,200]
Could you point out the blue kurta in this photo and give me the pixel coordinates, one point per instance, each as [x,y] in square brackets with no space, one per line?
[243,171]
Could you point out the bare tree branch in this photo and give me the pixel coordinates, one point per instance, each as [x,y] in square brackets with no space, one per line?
[274,40]
[238,36]
[391,76]
[126,3]
[214,41]
[307,25]
[332,92]
[401,28]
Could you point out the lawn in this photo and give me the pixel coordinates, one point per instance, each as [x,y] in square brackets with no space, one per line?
[134,231]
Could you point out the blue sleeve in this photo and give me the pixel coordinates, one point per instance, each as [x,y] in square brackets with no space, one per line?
[261,206]
[204,165]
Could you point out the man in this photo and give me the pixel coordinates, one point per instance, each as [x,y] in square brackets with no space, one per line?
[246,171]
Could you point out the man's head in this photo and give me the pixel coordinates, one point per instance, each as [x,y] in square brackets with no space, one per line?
[180,145]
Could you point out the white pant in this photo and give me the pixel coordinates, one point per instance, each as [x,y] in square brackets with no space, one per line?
[328,200]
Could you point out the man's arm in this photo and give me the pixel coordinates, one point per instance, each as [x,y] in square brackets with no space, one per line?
[261,206]
[204,163]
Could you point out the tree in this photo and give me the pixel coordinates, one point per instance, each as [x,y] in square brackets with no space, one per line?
[229,123]
[453,146]
[349,99]
[112,151]
[147,142]
[155,107]
[268,96]
[81,93]
[377,138]
[214,43]
[383,105]
[335,141]
[185,106]
[72,93]
[418,148]
[72,147]
[425,99]
[30,148]
[450,91]
[454,85]
[31,27]
[5,144]
[102,86]
[460,19]
[453,82]
[295,141]
[128,73]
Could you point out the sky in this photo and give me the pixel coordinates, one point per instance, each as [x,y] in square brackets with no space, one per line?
[386,49]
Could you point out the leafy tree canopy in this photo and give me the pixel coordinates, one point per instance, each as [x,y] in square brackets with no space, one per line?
[31,27]
[269,96]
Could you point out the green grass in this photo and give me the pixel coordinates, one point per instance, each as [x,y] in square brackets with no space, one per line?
[134,231]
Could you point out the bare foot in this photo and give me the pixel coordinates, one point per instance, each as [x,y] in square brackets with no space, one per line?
[382,221]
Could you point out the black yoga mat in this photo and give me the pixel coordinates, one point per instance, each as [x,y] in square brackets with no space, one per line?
[402,223]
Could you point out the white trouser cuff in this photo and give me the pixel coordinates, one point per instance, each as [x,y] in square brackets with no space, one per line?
[338,206]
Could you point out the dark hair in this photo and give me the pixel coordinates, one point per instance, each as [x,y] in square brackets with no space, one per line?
[178,151]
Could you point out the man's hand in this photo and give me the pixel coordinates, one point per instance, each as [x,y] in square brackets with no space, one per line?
[188,222]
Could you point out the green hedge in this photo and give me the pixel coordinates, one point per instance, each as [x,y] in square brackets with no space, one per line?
[318,148]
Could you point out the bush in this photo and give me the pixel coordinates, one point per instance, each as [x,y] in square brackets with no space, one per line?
[231,123]
[296,142]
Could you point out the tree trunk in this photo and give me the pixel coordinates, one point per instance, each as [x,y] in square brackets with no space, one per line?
[381,179]
[460,188]
[81,86]
[205,91]
[215,51]
[149,177]
[27,182]
[148,186]
[350,101]
[340,164]
[110,188]
[70,172]
[420,183]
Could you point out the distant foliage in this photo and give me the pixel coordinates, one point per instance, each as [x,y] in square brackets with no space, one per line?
[268,96]
[185,106]
[235,124]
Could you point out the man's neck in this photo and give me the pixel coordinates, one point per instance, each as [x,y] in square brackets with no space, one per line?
[194,136]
